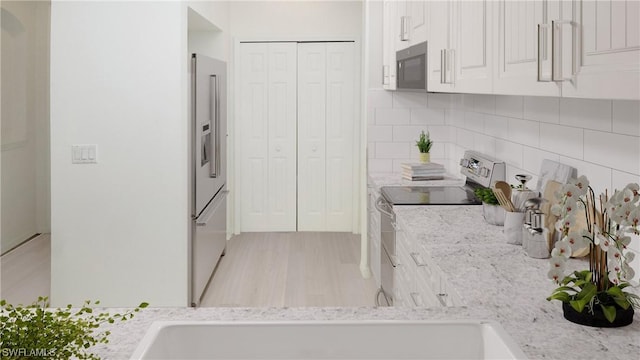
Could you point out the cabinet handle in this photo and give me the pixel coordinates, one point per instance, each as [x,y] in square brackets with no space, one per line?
[443,60]
[542,51]
[414,256]
[404,28]
[442,298]
[556,50]
[451,63]
[385,74]
[417,300]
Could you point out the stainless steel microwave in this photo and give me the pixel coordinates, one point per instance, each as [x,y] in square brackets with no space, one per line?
[411,68]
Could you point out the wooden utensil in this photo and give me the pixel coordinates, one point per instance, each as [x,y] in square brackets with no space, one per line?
[506,188]
[503,200]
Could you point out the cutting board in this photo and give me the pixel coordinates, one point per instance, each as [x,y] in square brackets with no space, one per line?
[552,170]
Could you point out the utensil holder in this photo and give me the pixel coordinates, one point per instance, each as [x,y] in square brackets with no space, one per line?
[513,222]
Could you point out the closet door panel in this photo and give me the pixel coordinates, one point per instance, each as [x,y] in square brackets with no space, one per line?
[312,101]
[339,136]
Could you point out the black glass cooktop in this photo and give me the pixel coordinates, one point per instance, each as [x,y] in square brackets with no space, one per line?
[427,195]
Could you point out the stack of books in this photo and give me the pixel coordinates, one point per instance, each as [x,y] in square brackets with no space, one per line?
[419,171]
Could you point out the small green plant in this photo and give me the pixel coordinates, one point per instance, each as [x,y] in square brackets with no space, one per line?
[424,143]
[486,195]
[34,331]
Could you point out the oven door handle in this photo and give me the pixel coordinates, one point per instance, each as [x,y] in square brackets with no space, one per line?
[380,202]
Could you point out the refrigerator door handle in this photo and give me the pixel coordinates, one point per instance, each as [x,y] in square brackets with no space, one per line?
[205,217]
[214,106]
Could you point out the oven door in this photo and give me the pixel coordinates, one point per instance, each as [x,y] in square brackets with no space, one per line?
[411,68]
[388,258]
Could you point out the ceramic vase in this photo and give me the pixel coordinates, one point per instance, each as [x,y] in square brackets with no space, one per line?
[425,158]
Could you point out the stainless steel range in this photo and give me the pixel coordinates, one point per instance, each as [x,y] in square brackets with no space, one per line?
[478,170]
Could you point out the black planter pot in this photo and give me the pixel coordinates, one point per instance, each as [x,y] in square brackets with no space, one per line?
[597,319]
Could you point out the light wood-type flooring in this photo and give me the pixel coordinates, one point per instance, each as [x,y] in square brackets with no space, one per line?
[291,269]
[25,272]
[258,270]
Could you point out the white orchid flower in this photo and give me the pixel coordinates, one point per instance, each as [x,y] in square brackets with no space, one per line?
[602,240]
[629,257]
[627,272]
[562,248]
[614,278]
[571,191]
[581,183]
[558,262]
[614,254]
[556,275]
[635,189]
[575,240]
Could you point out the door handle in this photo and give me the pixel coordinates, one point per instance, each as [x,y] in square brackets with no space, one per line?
[214,110]
[204,219]
[542,51]
[379,204]
[557,47]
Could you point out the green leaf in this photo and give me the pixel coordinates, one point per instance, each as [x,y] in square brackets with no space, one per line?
[615,291]
[588,291]
[578,305]
[565,288]
[561,295]
[609,312]
[143,305]
[622,302]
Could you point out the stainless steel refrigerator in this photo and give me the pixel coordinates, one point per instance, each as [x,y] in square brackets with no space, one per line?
[208,171]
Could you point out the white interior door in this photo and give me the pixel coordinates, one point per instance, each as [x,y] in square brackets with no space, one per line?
[268,141]
[326,118]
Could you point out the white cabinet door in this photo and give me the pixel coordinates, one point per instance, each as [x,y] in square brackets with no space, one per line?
[326,117]
[416,11]
[389,45]
[518,40]
[472,55]
[268,123]
[607,63]
[402,32]
[440,14]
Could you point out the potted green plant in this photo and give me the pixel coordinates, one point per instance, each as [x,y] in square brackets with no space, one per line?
[424,144]
[39,332]
[492,212]
[596,296]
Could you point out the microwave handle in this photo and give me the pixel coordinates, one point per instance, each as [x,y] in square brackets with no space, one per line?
[214,110]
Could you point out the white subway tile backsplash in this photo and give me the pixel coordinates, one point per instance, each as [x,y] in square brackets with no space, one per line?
[485,144]
[496,126]
[465,138]
[626,117]
[455,118]
[525,132]
[409,99]
[439,101]
[474,121]
[409,133]
[378,98]
[393,150]
[427,116]
[379,133]
[563,140]
[586,113]
[509,152]
[543,109]
[485,104]
[510,106]
[616,151]
[599,176]
[380,165]
[390,116]
[532,159]
[439,133]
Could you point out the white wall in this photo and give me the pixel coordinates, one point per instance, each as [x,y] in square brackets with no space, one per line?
[25,121]
[119,79]
[292,20]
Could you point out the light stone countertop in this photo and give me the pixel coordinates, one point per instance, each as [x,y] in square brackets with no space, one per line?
[495,280]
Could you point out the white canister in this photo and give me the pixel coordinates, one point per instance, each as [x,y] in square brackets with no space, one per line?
[513,222]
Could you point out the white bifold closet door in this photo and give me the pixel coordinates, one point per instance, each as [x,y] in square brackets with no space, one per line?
[325,136]
[296,136]
[267,140]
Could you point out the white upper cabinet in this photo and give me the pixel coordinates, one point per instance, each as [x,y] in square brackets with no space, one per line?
[460,46]
[523,27]
[607,57]
[440,77]
[388,44]
[416,12]
[473,56]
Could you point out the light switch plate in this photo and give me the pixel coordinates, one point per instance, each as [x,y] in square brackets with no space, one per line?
[84,154]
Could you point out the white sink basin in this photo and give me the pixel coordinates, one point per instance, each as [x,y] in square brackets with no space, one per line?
[327,340]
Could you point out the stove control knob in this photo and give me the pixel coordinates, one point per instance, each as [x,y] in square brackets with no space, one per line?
[464,162]
[484,172]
